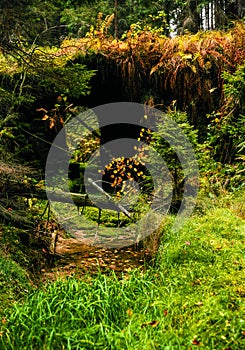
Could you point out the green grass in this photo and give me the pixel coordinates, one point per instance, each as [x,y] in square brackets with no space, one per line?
[14,283]
[192,298]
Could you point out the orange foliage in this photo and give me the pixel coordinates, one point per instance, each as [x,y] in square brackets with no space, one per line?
[185,68]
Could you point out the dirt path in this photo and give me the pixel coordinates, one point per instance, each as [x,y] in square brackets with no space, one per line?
[73,258]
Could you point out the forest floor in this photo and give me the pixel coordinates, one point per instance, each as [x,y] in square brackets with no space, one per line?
[74,258]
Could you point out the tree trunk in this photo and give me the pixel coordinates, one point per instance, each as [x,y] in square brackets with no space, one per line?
[232,9]
[115,19]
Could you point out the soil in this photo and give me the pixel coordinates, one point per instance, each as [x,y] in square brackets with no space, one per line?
[71,257]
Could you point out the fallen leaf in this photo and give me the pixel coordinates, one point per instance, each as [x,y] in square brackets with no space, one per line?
[199,303]
[196,342]
[197,282]
[130,312]
[152,324]
[165,312]
[4,320]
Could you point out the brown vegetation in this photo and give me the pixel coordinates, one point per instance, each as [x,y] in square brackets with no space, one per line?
[185,68]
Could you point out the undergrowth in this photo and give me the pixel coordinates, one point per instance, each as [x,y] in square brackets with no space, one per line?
[14,283]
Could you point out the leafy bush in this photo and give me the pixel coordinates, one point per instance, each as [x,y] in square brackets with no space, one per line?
[169,154]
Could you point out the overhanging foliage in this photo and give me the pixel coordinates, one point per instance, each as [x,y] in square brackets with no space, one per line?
[186,68]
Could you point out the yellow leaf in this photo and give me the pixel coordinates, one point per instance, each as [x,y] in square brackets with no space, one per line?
[154,323]
[52,123]
[187,56]
[130,312]
[41,110]
[193,68]
[153,69]
[123,45]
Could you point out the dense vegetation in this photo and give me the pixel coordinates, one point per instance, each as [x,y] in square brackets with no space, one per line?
[186,58]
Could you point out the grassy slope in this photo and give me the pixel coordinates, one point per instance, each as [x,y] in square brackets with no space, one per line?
[14,283]
[193,297]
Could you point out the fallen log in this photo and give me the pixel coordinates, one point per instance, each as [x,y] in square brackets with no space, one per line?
[79,199]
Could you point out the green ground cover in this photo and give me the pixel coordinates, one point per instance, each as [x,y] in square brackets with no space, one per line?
[192,297]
